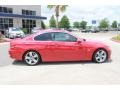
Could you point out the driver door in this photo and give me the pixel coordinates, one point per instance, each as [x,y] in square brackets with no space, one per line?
[66,47]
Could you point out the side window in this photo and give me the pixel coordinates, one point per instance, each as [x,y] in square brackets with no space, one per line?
[58,36]
[44,37]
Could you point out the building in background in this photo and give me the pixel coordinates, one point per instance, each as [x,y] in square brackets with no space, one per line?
[23,16]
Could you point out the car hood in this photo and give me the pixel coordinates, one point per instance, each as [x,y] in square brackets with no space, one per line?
[94,43]
[16,32]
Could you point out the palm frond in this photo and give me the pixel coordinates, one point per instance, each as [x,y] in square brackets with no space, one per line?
[51,6]
[63,8]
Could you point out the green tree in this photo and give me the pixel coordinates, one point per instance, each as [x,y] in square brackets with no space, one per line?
[104,23]
[76,24]
[43,26]
[57,9]
[52,22]
[83,24]
[114,24]
[64,23]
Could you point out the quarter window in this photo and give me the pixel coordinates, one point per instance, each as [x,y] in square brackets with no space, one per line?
[44,37]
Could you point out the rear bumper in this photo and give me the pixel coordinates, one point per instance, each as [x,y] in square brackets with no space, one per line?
[15,54]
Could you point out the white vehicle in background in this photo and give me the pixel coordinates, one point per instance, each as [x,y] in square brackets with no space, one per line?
[13,32]
[35,29]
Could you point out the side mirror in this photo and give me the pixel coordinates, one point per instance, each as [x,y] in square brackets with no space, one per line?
[80,40]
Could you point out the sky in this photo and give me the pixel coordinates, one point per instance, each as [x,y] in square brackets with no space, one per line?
[86,12]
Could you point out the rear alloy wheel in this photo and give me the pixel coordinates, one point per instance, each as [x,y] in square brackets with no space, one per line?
[31,58]
[100,56]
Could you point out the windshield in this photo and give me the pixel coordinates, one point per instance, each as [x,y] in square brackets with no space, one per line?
[15,29]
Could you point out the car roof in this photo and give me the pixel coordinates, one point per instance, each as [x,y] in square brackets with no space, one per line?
[50,30]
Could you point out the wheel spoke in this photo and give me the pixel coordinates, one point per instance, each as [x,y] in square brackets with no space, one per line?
[97,58]
[30,61]
[27,57]
[30,53]
[102,52]
[35,55]
[34,60]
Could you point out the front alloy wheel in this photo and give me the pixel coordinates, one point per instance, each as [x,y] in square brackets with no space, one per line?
[31,58]
[100,56]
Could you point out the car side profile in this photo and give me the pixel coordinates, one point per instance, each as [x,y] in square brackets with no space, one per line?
[56,46]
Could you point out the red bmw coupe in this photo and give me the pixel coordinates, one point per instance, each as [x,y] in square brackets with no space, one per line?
[57,45]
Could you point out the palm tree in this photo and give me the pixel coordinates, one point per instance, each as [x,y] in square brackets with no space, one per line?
[58,9]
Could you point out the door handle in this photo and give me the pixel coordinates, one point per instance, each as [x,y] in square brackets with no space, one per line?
[55,45]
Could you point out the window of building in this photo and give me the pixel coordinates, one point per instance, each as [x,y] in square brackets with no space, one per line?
[5,23]
[6,10]
[28,12]
[0,9]
[10,10]
[28,24]
[34,13]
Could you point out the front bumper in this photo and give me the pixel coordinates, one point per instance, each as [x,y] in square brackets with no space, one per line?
[16,36]
[109,54]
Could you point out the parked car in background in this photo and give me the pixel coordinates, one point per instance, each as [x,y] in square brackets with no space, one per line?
[94,30]
[35,29]
[104,29]
[76,29]
[56,46]
[85,30]
[118,29]
[14,32]
[70,30]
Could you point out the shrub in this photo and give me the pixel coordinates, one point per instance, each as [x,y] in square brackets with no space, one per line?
[1,36]
[116,37]
[25,30]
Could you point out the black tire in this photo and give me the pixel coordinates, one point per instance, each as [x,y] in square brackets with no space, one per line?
[100,56]
[36,59]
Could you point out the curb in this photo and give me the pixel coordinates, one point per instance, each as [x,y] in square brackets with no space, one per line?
[117,41]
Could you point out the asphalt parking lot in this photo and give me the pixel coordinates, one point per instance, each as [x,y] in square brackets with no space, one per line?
[63,73]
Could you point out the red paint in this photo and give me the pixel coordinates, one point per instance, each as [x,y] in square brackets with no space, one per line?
[52,51]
